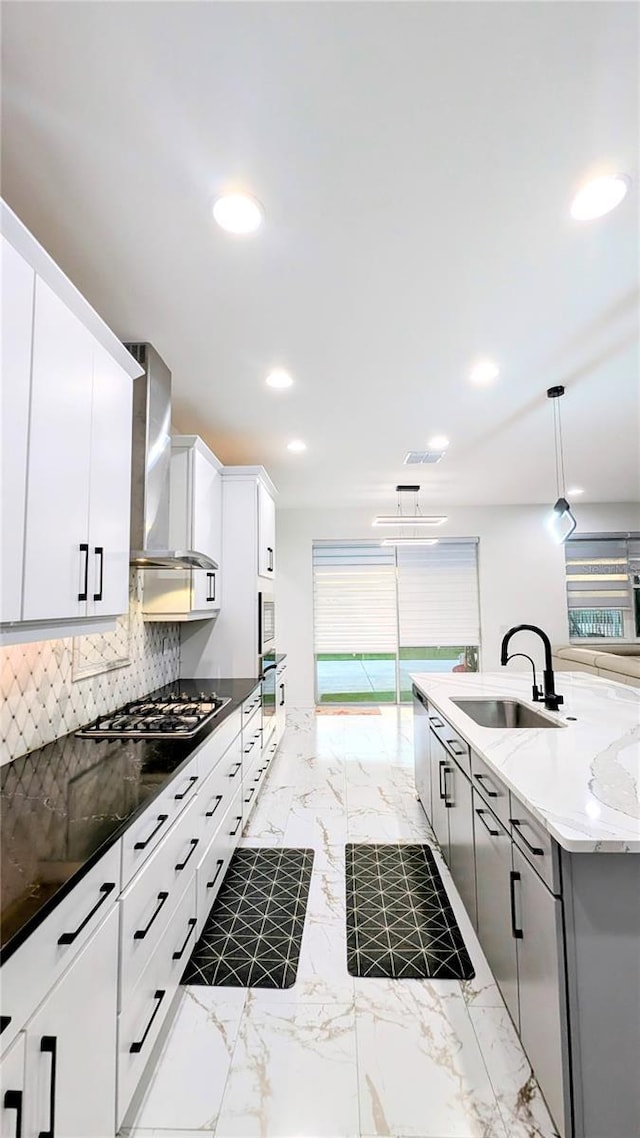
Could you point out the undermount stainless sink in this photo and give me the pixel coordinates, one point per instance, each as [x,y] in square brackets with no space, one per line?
[503,713]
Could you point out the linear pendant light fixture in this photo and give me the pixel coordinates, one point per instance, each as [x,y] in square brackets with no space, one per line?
[408,522]
[561,521]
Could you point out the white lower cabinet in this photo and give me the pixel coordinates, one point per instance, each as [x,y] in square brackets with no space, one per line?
[12,1089]
[215,862]
[144,1007]
[70,1071]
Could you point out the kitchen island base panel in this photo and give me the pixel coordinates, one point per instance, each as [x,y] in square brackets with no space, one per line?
[602,929]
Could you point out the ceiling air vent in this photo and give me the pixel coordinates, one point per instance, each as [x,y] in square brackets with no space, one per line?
[418,457]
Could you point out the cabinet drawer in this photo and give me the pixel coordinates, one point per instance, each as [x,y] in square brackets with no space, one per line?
[149,829]
[35,966]
[216,795]
[491,788]
[147,907]
[454,743]
[145,1007]
[213,750]
[214,864]
[251,741]
[251,706]
[536,844]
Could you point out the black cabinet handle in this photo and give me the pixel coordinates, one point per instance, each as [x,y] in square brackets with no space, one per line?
[489,793]
[161,821]
[517,824]
[442,765]
[219,865]
[49,1045]
[105,890]
[140,934]
[233,773]
[270,565]
[481,813]
[513,877]
[192,925]
[281,704]
[211,590]
[451,743]
[4,1022]
[436,722]
[193,843]
[449,804]
[139,1044]
[84,548]
[217,800]
[13,1101]
[192,780]
[99,552]
[249,746]
[232,833]
[252,791]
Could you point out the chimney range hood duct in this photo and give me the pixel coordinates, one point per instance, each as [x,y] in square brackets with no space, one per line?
[150,469]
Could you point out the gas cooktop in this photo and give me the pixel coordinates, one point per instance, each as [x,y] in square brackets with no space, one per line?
[173,715]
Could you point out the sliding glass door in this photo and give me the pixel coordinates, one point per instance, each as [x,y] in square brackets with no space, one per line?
[382,612]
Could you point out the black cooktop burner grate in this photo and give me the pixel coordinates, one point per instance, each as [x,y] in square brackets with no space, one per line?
[174,715]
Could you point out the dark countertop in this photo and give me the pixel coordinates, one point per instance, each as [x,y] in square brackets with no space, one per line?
[65,804]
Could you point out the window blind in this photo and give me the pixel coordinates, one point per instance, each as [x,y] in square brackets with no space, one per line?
[354,591]
[438,594]
[598,572]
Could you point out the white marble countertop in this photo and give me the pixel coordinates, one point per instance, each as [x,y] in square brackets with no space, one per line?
[582,781]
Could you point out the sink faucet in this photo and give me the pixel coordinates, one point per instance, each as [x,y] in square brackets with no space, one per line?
[552,701]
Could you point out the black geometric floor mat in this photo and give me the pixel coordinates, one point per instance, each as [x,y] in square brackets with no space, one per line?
[253,933]
[400,924]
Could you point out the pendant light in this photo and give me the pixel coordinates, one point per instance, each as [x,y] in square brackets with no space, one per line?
[561,521]
[408,522]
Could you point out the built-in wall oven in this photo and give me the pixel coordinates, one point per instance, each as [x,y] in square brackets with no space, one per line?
[266,625]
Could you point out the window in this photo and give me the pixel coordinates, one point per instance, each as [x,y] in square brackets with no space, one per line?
[382,612]
[603,586]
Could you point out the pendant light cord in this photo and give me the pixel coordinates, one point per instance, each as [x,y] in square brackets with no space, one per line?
[559,449]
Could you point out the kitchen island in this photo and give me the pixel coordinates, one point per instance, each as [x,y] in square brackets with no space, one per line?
[539,826]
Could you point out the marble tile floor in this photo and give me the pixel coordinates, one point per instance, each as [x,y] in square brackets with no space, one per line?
[335,1056]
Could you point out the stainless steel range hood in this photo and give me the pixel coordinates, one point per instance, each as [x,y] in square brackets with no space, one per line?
[150,469]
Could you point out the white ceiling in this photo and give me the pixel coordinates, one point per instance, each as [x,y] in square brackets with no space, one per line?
[416,162]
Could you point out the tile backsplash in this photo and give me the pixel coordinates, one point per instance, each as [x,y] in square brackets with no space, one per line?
[42,701]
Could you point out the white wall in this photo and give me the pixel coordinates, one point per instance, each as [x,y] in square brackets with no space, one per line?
[521,574]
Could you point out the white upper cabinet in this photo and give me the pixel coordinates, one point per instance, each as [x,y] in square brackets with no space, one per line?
[17,280]
[66,452]
[266,533]
[195,523]
[57,559]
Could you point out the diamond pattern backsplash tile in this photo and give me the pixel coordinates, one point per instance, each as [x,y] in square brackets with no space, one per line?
[40,699]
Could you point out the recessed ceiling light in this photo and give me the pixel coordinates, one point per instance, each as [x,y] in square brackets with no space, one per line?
[599,196]
[438,442]
[575,491]
[238,213]
[279,378]
[485,371]
[297,446]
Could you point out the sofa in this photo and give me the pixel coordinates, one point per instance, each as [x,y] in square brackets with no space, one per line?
[620,662]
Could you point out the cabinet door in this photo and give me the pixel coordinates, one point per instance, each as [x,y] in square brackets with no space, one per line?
[540,981]
[205,533]
[493,876]
[57,527]
[71,1047]
[422,766]
[110,502]
[281,702]
[462,861]
[17,281]
[266,533]
[441,767]
[12,1099]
